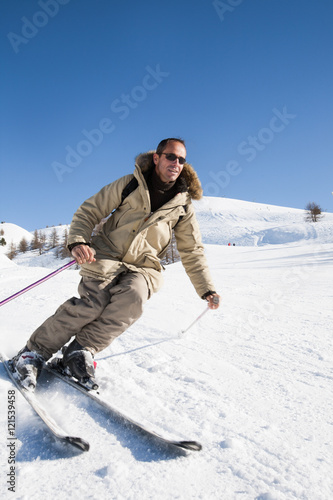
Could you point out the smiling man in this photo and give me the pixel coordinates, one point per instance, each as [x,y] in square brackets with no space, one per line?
[169,163]
[119,236]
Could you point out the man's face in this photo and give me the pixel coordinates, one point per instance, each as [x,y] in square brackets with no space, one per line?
[168,170]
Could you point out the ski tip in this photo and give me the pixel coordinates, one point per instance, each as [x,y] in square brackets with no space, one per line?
[78,442]
[190,445]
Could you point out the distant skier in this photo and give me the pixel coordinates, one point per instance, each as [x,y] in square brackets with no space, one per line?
[120,260]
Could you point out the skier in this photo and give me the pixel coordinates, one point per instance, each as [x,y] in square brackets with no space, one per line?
[119,255]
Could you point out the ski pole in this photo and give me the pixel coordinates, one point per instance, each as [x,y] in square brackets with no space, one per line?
[17,294]
[182,333]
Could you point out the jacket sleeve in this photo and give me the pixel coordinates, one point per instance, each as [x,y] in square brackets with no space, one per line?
[96,208]
[191,251]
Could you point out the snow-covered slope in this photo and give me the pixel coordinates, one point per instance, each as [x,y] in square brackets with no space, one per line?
[252,381]
[13,234]
[224,221]
[5,262]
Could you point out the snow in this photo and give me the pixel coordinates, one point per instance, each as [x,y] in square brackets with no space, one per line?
[251,381]
[226,221]
[14,233]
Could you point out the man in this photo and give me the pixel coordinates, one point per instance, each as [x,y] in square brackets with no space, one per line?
[120,257]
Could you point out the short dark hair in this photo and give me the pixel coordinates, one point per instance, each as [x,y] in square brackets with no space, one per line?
[163,144]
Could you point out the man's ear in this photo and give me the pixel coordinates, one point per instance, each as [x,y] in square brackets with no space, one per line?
[155,158]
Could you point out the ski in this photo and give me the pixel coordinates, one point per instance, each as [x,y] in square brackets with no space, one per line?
[178,444]
[57,432]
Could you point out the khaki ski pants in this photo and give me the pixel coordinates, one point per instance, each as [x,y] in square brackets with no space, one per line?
[104,310]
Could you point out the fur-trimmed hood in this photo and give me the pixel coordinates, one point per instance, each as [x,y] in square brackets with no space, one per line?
[188,174]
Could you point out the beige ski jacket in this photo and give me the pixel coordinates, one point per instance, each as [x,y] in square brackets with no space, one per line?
[136,239]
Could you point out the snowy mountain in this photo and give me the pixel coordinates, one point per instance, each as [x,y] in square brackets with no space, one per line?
[14,234]
[251,381]
[224,221]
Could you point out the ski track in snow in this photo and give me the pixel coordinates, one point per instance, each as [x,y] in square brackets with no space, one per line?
[251,381]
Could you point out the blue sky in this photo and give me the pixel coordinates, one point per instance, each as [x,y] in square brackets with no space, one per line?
[87,85]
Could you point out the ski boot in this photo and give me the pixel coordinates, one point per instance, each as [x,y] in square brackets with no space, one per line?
[79,363]
[28,366]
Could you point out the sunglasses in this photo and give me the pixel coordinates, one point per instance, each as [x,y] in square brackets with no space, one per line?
[173,157]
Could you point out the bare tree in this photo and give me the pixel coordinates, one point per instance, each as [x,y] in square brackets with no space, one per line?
[12,252]
[313,212]
[62,250]
[23,245]
[54,238]
[35,241]
[42,237]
